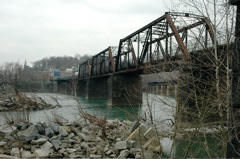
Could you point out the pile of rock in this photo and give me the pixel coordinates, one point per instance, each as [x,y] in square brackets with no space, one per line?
[123,140]
[14,102]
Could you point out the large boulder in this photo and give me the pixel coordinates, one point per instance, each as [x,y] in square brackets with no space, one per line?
[41,153]
[27,154]
[49,132]
[6,129]
[56,144]
[121,145]
[39,141]
[62,131]
[55,127]
[29,134]
[47,147]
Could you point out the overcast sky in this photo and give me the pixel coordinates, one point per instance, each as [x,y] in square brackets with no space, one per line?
[33,29]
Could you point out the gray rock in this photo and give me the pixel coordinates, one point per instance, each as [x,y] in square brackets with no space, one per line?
[71,135]
[10,104]
[70,150]
[24,126]
[3,108]
[47,147]
[153,145]
[7,100]
[148,154]
[61,151]
[95,156]
[49,132]
[85,131]
[41,153]
[56,155]
[62,131]
[109,152]
[27,154]
[39,141]
[40,128]
[135,125]
[123,154]
[7,129]
[106,148]
[27,147]
[143,128]
[31,133]
[2,143]
[15,151]
[56,144]
[131,144]
[43,124]
[84,137]
[84,145]
[65,145]
[151,132]
[121,145]
[55,127]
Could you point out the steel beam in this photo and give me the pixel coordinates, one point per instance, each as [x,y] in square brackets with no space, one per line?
[178,38]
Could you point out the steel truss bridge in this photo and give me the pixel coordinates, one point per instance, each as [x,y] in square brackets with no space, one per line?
[168,40]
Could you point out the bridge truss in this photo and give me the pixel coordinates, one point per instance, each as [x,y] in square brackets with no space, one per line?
[170,38]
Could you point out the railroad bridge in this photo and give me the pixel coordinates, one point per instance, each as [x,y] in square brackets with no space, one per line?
[208,68]
[180,42]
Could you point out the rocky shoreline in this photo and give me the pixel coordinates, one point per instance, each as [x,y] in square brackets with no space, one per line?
[115,139]
[19,102]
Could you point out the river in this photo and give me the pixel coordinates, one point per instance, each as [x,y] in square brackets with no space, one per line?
[161,107]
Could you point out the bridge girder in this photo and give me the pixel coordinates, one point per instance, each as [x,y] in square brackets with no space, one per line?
[169,37]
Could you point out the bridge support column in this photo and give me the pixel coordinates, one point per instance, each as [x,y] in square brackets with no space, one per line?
[55,87]
[163,90]
[168,90]
[175,90]
[197,100]
[98,88]
[82,88]
[157,89]
[126,89]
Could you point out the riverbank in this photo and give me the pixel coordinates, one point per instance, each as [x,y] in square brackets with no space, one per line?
[107,139]
[19,102]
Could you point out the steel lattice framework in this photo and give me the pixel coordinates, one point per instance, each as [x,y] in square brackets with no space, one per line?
[170,38]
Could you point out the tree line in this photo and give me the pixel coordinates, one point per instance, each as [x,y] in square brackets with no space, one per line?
[59,62]
[31,78]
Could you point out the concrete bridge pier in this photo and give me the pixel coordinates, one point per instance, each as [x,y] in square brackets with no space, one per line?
[55,86]
[196,94]
[126,89]
[97,88]
[163,90]
[169,90]
[82,88]
[175,90]
[157,89]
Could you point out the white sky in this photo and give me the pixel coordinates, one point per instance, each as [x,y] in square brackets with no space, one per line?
[34,29]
